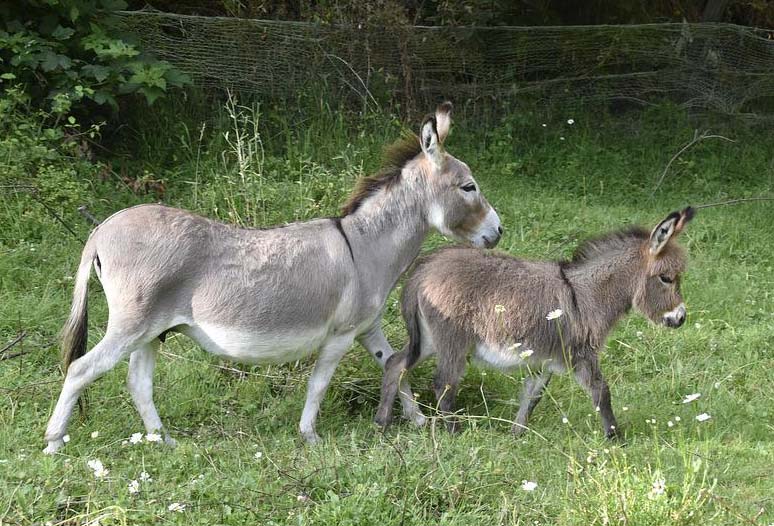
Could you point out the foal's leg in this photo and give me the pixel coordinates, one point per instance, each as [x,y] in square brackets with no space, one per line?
[451,367]
[139,380]
[589,375]
[375,342]
[531,394]
[82,372]
[393,369]
[329,358]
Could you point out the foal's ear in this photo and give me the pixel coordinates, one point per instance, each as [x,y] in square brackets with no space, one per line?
[671,226]
[428,138]
[443,120]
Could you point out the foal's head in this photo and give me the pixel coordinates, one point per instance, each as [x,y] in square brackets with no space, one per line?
[455,206]
[657,293]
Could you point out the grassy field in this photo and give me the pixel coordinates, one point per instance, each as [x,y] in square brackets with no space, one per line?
[239,458]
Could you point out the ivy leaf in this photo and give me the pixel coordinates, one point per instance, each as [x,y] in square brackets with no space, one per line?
[62,33]
[151,94]
[104,97]
[99,73]
[52,61]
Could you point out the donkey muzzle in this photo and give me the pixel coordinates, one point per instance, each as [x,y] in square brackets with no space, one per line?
[676,317]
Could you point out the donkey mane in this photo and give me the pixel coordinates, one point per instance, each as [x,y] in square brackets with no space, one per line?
[597,246]
[395,157]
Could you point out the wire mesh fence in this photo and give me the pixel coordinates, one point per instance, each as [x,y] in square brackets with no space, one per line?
[715,67]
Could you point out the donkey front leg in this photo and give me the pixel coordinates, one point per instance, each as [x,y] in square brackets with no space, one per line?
[375,343]
[330,355]
[139,380]
[589,375]
[82,372]
[531,394]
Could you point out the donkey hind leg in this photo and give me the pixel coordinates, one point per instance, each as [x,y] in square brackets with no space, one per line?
[329,357]
[82,372]
[139,380]
[449,372]
[376,344]
[531,394]
[589,375]
[393,369]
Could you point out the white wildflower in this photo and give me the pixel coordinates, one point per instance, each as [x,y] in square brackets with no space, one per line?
[544,125]
[670,424]
[176,506]
[639,334]
[703,417]
[153,437]
[94,434]
[625,408]
[554,314]
[526,353]
[528,485]
[564,420]
[499,309]
[98,468]
[66,439]
[136,438]
[697,325]
[561,138]
[145,477]
[677,419]
[258,455]
[691,397]
[658,488]
[514,346]
[134,487]
[570,121]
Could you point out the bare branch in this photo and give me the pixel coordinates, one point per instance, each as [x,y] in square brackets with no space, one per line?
[735,201]
[697,137]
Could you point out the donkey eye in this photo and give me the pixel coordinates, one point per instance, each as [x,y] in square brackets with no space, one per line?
[469,188]
[665,279]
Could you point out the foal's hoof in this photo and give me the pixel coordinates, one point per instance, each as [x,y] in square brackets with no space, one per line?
[53,446]
[518,429]
[614,434]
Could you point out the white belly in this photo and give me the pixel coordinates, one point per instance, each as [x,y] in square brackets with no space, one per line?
[499,357]
[255,346]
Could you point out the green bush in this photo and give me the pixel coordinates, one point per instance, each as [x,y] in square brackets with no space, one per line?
[66,53]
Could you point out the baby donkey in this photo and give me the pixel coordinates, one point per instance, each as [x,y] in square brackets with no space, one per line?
[549,316]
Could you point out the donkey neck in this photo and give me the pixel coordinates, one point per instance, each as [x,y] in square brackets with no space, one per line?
[604,287]
[386,233]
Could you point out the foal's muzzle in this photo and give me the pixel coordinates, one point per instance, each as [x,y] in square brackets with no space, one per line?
[675,318]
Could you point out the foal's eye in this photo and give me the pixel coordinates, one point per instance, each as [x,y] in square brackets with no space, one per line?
[665,279]
[469,187]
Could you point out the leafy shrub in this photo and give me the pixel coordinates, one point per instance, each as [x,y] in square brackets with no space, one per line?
[66,52]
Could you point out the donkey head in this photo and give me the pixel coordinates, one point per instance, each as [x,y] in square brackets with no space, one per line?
[457,208]
[658,294]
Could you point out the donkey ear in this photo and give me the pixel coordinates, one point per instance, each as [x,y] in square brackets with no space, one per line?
[428,138]
[443,120]
[685,217]
[663,232]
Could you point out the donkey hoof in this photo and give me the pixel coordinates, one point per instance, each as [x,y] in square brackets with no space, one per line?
[311,437]
[418,419]
[53,446]
[383,421]
[518,429]
[613,434]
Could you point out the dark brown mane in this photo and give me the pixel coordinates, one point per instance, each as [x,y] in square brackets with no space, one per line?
[395,157]
[591,248]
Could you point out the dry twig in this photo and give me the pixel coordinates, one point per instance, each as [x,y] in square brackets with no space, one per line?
[697,137]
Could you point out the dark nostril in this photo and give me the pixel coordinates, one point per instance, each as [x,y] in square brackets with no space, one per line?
[499,230]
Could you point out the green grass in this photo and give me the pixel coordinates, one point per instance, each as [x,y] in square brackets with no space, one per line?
[549,193]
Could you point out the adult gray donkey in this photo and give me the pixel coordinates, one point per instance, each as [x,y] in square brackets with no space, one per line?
[273,295]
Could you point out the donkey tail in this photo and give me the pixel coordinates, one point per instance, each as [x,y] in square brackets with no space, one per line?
[74,334]
[410,311]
